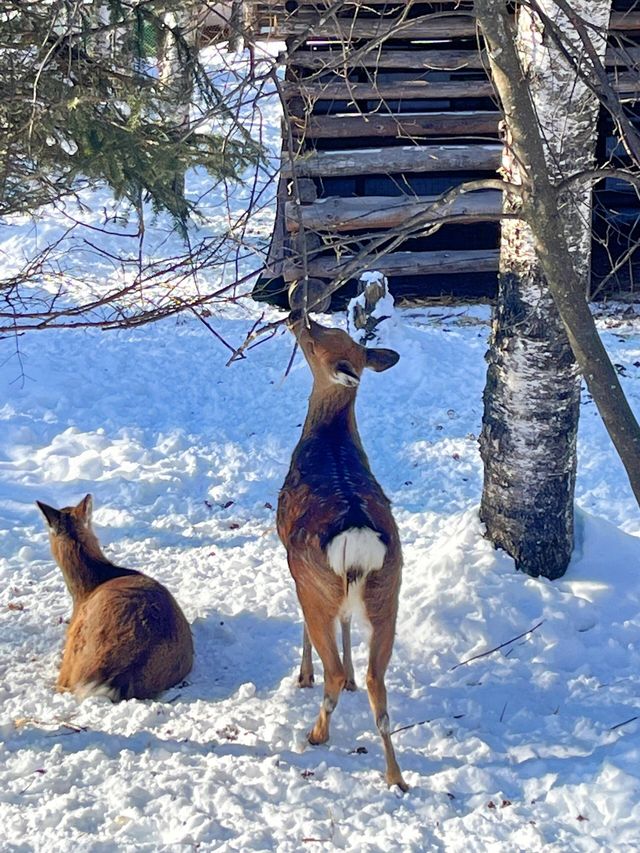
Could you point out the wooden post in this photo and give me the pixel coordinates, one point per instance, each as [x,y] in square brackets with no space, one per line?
[372,287]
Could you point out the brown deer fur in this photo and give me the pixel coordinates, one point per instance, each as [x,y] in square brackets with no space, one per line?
[127,636]
[335,521]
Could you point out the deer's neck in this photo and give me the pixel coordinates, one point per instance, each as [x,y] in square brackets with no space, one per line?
[84,569]
[335,411]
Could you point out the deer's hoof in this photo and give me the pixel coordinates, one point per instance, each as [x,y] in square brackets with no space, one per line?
[396,779]
[316,737]
[305,680]
[350,685]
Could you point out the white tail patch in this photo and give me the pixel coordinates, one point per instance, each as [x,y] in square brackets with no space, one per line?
[93,688]
[356,548]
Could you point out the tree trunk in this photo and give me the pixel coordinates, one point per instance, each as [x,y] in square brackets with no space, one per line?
[541,209]
[176,74]
[532,395]
[530,420]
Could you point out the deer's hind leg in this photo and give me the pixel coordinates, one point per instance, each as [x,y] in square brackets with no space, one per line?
[380,648]
[321,626]
[73,654]
[350,679]
[306,677]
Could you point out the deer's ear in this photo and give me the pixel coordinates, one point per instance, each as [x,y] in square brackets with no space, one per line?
[379,359]
[85,509]
[52,516]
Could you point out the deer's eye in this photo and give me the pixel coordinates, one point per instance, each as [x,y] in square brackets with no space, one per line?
[345,374]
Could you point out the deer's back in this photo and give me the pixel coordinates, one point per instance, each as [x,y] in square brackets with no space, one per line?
[128,637]
[330,489]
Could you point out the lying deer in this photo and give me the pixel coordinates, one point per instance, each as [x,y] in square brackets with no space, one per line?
[127,637]
[335,521]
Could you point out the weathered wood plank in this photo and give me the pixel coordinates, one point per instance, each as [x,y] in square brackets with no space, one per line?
[387,161]
[266,11]
[624,21]
[354,214]
[626,83]
[416,60]
[391,13]
[354,29]
[403,263]
[402,90]
[373,57]
[408,126]
[326,25]
[623,82]
[322,23]
[273,6]
[623,57]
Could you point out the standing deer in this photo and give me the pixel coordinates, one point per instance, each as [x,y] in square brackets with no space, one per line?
[335,521]
[127,638]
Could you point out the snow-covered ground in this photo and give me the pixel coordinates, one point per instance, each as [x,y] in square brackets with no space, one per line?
[514,751]
[532,747]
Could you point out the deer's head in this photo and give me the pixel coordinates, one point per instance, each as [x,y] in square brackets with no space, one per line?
[71,524]
[336,359]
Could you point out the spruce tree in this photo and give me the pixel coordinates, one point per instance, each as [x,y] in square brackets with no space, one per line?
[82,101]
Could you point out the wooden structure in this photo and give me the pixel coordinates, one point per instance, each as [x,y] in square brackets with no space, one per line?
[389,105]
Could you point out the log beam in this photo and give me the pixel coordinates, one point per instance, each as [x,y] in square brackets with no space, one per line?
[354,29]
[388,161]
[403,263]
[373,57]
[416,60]
[396,91]
[408,126]
[354,214]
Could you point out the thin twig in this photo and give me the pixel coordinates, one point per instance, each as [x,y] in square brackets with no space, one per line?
[290,365]
[239,352]
[497,648]
[212,330]
[410,726]
[626,722]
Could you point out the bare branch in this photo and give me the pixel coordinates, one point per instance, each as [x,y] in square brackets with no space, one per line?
[497,648]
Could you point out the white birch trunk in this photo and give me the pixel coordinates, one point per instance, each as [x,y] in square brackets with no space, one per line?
[176,75]
[528,440]
[174,71]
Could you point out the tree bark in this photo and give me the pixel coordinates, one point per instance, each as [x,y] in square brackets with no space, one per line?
[176,73]
[528,441]
[541,211]
[530,420]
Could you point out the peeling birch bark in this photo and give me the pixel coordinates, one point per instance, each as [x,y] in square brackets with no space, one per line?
[176,75]
[532,395]
[530,420]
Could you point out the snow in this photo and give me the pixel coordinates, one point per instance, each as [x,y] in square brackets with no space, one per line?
[530,747]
